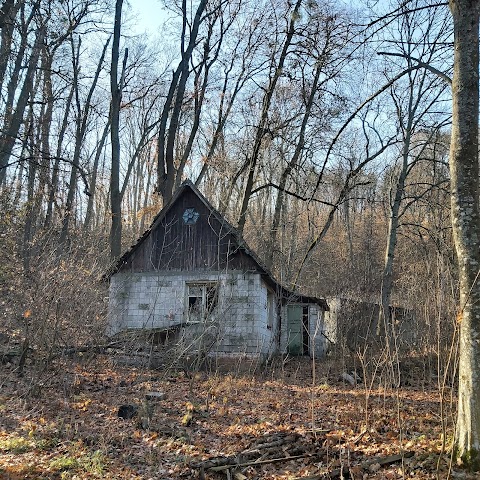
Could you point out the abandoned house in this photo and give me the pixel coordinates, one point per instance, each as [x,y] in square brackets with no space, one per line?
[353,324]
[191,280]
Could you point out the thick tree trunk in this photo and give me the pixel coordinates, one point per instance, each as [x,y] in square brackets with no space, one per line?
[466,224]
[7,23]
[116,90]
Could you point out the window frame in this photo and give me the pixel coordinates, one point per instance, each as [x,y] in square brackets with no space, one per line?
[209,298]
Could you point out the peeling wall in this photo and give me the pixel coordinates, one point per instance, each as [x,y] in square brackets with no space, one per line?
[151,300]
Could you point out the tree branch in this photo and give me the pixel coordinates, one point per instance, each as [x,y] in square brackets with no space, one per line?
[427,66]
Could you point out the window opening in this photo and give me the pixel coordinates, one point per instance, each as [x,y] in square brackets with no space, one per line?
[202,300]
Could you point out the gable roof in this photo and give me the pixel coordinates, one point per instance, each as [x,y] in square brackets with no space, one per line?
[242,245]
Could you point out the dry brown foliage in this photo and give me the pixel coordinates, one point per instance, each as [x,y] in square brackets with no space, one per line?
[68,426]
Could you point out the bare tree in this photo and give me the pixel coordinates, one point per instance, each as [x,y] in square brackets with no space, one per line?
[168,130]
[416,105]
[240,64]
[262,128]
[8,13]
[93,176]
[326,48]
[466,223]
[81,124]
[116,92]
[14,115]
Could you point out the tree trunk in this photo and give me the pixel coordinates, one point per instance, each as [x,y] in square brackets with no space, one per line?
[252,163]
[80,131]
[7,23]
[387,276]
[46,117]
[166,171]
[10,133]
[466,224]
[55,171]
[116,90]
[93,177]
[29,144]
[145,198]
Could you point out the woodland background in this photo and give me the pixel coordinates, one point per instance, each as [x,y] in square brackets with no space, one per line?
[313,127]
[321,129]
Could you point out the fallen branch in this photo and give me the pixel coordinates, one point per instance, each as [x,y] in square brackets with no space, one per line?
[220,468]
[319,431]
[272,444]
[388,460]
[359,437]
[344,472]
[217,462]
[262,448]
[70,351]
[90,348]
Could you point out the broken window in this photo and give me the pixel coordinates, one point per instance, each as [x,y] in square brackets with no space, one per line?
[202,299]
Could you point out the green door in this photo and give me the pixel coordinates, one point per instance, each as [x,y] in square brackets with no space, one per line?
[295,331]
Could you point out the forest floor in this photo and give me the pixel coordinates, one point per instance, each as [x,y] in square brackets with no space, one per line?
[65,425]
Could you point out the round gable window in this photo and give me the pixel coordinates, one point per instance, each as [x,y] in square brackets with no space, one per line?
[190,216]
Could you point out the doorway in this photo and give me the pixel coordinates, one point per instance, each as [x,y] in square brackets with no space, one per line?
[297,330]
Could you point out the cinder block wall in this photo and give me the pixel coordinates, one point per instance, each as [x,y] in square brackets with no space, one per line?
[153,300]
[316,328]
[331,319]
